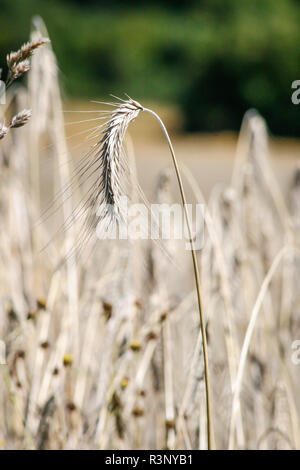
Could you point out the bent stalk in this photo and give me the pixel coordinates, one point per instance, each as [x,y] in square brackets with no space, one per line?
[197,282]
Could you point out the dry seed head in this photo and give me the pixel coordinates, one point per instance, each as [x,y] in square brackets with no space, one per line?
[102,208]
[3,130]
[112,156]
[151,336]
[115,403]
[12,58]
[170,424]
[67,360]
[21,118]
[31,315]
[71,406]
[25,52]
[107,310]
[137,412]
[28,48]
[18,69]
[41,303]
[135,346]
[20,354]
[124,383]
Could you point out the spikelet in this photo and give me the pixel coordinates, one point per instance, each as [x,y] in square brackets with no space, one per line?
[21,118]
[18,63]
[112,156]
[25,52]
[17,70]
[3,130]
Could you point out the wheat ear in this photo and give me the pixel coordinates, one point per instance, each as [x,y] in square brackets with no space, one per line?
[111,150]
[113,164]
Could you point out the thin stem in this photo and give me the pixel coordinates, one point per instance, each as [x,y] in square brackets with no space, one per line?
[197,281]
[247,341]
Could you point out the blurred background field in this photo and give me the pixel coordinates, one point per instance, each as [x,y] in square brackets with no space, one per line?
[104,351]
[204,62]
[212,59]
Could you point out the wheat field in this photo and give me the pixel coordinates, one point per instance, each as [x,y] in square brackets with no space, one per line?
[103,345]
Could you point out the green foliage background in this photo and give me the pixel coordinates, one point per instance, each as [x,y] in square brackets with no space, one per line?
[213,58]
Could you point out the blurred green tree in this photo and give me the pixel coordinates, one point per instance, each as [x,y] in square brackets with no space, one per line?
[213,58]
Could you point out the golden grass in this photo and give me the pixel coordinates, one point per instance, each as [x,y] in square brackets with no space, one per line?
[104,351]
